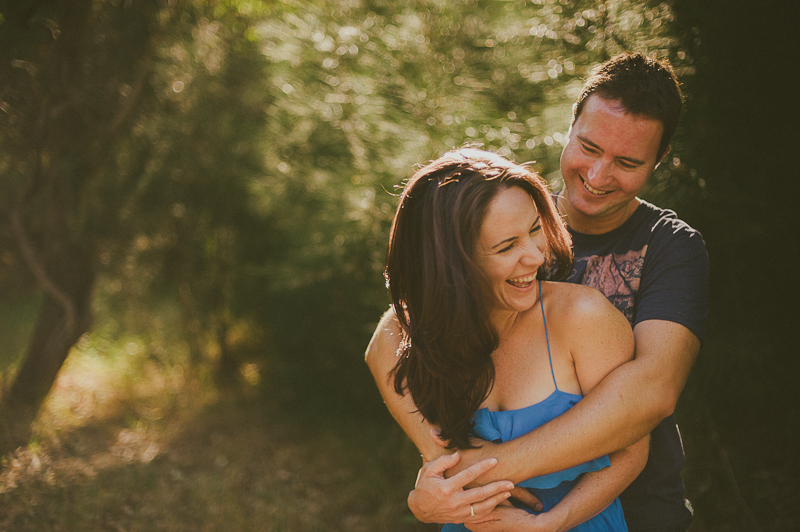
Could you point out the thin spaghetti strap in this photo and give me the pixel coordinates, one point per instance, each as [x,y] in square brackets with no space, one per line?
[546,339]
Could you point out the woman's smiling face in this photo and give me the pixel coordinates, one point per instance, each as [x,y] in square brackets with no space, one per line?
[511,249]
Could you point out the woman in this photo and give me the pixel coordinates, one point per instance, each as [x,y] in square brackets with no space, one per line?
[489,350]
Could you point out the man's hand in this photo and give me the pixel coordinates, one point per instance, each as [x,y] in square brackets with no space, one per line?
[436,499]
[505,518]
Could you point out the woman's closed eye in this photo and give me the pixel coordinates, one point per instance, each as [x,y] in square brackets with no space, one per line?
[536,227]
[506,249]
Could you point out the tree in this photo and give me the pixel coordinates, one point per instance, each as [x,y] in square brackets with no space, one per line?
[240,157]
[97,150]
[362,92]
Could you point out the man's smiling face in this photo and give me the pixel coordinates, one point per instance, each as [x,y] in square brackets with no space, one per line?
[606,163]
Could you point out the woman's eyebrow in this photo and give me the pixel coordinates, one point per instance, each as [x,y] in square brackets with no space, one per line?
[507,240]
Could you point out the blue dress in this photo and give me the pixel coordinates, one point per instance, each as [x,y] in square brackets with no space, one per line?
[502,426]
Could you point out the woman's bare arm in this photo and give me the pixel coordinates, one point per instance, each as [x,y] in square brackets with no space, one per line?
[435,499]
[381,357]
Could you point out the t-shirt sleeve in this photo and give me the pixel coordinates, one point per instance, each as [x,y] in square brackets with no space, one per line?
[674,282]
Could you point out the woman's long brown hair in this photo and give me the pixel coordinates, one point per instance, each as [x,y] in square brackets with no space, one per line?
[439,294]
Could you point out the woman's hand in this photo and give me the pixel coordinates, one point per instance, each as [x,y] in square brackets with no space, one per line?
[436,499]
[508,518]
[482,446]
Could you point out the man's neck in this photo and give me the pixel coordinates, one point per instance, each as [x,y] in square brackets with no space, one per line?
[594,225]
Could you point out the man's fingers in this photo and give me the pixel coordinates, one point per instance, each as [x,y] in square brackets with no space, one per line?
[526,497]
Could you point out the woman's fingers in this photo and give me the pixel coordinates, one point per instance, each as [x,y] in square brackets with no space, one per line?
[484,506]
[436,499]
[436,468]
[471,473]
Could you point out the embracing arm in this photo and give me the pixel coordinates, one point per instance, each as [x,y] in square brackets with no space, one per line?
[435,498]
[635,397]
[381,357]
[624,407]
[595,491]
[600,340]
[590,496]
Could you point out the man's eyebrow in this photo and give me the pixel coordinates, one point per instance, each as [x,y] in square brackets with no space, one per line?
[595,146]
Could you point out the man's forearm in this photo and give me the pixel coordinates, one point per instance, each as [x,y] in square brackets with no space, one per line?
[623,408]
[595,491]
[610,418]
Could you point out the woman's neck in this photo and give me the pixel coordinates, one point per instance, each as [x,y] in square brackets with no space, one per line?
[504,321]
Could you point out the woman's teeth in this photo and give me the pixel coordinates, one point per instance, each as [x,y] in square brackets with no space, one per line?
[522,282]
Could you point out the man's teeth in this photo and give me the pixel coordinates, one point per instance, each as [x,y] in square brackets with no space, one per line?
[594,191]
[522,282]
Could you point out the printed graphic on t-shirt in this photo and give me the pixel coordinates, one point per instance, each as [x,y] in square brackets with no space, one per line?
[616,276]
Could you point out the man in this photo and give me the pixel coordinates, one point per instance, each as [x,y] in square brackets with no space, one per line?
[652,266]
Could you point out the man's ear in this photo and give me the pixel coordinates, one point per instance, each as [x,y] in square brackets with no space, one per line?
[666,151]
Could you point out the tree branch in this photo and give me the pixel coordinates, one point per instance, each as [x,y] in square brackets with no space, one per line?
[136,94]
[39,273]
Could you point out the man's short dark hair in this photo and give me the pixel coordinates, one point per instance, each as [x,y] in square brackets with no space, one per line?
[643,85]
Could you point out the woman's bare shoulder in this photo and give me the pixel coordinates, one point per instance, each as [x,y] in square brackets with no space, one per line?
[575,301]
[580,311]
[382,348]
[598,336]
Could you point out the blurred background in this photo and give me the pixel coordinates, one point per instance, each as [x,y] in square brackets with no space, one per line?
[195,198]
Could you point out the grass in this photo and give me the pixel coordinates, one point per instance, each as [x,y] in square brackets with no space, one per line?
[126,447]
[130,442]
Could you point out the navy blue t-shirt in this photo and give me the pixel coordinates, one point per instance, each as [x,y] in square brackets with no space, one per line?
[652,267]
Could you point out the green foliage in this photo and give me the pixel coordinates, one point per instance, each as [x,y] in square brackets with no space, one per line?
[362,92]
[237,161]
[228,168]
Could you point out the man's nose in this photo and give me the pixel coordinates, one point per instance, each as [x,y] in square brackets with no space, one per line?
[599,173]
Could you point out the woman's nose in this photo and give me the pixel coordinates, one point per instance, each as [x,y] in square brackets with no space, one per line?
[533,254]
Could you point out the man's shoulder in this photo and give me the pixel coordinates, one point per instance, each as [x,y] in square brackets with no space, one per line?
[659,219]
[667,231]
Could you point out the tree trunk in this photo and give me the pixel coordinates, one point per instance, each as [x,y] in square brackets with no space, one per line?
[51,340]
